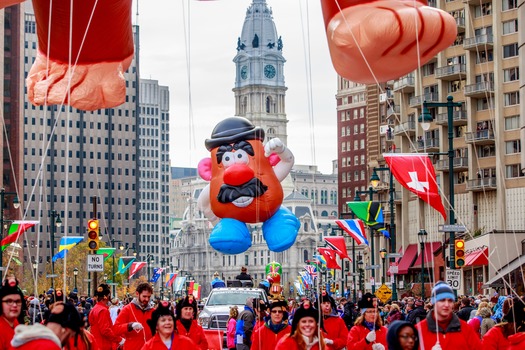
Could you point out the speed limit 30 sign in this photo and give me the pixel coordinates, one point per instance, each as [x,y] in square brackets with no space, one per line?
[454,279]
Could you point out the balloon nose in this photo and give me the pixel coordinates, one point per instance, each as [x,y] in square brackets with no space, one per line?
[238,174]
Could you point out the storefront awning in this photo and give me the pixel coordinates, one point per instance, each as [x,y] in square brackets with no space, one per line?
[506,270]
[479,257]
[430,250]
[407,260]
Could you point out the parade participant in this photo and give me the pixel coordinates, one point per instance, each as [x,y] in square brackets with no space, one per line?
[245,325]
[516,315]
[305,332]
[402,335]
[368,332]
[443,326]
[243,276]
[165,336]
[395,314]
[232,323]
[418,314]
[12,299]
[83,340]
[100,320]
[186,323]
[350,314]
[260,314]
[268,335]
[498,337]
[334,326]
[131,321]
[64,322]
[217,282]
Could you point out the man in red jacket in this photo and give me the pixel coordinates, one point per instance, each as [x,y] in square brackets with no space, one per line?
[441,324]
[131,321]
[100,320]
[268,335]
[335,327]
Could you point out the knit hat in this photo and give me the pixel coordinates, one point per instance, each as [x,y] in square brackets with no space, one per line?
[419,303]
[325,297]
[366,302]
[66,315]
[102,291]
[277,303]
[189,301]
[163,309]
[9,289]
[305,310]
[441,291]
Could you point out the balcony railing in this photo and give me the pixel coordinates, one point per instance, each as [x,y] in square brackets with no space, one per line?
[428,144]
[480,136]
[478,40]
[480,89]
[459,164]
[482,184]
[406,127]
[458,118]
[418,100]
[405,84]
[452,71]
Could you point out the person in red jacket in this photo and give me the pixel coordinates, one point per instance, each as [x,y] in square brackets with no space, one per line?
[516,315]
[333,324]
[11,298]
[131,321]
[165,336]
[500,336]
[306,332]
[368,332]
[268,335]
[100,320]
[443,326]
[63,323]
[186,323]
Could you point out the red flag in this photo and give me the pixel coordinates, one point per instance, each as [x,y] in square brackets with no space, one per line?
[190,287]
[16,229]
[135,267]
[416,173]
[338,244]
[330,257]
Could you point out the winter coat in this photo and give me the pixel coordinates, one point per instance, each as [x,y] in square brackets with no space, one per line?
[494,339]
[129,314]
[245,325]
[178,342]
[265,338]
[196,334]
[230,333]
[457,335]
[7,333]
[336,331]
[34,337]
[288,343]
[417,315]
[81,343]
[464,314]
[517,341]
[356,338]
[395,315]
[102,327]
[349,314]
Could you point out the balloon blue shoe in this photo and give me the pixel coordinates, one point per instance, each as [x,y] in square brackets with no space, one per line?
[230,236]
[280,231]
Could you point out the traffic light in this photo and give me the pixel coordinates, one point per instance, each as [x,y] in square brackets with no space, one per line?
[93,232]
[459,253]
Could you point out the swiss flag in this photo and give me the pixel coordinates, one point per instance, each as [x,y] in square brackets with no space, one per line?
[330,257]
[416,173]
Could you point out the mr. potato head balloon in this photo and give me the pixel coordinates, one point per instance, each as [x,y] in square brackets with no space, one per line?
[245,187]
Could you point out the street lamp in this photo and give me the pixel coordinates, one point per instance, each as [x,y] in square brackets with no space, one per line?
[75,273]
[450,104]
[149,258]
[16,205]
[382,254]
[421,237]
[55,221]
[374,181]
[361,274]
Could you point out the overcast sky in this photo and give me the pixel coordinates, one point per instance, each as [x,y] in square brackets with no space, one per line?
[213,28]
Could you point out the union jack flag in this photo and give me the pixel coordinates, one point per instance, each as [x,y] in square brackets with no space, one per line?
[312,270]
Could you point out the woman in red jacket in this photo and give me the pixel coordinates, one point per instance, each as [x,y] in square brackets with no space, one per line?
[162,325]
[335,327]
[368,332]
[186,323]
[306,332]
[100,320]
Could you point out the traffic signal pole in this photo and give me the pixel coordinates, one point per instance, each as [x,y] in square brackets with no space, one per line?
[92,251]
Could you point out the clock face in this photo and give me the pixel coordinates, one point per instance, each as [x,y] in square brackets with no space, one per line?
[244,72]
[269,71]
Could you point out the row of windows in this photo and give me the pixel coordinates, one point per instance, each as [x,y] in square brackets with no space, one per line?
[358,160]
[91,185]
[358,129]
[356,112]
[358,145]
[324,196]
[96,126]
[357,175]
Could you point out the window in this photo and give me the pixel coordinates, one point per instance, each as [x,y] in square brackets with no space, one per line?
[343,134]
[512,147]
[512,123]
[343,146]
[486,151]
[485,56]
[513,170]
[511,74]
[483,10]
[428,69]
[509,5]
[511,98]
[510,27]
[483,104]
[510,50]
[455,86]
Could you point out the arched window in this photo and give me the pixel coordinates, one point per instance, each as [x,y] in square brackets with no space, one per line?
[305,255]
[269,105]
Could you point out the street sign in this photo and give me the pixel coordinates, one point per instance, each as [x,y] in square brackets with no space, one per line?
[51,276]
[384,293]
[394,255]
[453,278]
[95,262]
[352,274]
[372,267]
[393,268]
[87,279]
[452,228]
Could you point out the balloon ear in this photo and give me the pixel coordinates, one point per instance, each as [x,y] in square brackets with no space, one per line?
[204,169]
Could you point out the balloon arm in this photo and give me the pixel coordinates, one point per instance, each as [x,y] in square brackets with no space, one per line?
[281,169]
[204,204]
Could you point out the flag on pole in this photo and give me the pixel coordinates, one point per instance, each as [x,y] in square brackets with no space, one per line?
[196,290]
[124,263]
[311,269]
[156,274]
[370,212]
[190,287]
[16,229]
[338,244]
[298,288]
[355,229]
[180,282]
[135,267]
[170,278]
[416,173]
[66,243]
[107,252]
[331,260]
[18,262]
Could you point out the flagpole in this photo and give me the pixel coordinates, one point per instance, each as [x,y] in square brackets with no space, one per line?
[16,205]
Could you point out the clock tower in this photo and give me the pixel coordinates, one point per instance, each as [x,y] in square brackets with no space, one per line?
[259,65]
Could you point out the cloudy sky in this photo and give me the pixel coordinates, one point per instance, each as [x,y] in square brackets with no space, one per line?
[204,96]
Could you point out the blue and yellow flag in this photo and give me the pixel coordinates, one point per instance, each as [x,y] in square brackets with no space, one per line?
[66,243]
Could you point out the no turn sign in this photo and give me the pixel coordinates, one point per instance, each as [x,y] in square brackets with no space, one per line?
[95,262]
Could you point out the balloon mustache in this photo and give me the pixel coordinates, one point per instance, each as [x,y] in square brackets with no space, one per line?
[253,188]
